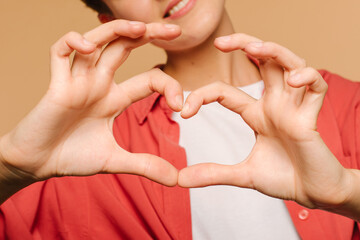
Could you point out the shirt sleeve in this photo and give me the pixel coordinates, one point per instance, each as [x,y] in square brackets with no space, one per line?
[18,213]
[344,96]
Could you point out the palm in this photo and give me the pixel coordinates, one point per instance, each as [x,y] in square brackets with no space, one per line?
[278,121]
[86,151]
[89,129]
[270,157]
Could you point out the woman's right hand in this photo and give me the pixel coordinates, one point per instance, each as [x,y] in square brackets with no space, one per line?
[70,131]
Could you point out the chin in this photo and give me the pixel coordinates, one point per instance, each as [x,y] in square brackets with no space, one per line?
[194,33]
[182,43]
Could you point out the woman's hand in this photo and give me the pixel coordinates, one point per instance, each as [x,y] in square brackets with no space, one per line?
[70,131]
[289,160]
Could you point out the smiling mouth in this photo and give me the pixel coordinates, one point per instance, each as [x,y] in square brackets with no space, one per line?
[176,8]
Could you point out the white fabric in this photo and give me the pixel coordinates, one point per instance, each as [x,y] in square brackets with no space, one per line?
[218,135]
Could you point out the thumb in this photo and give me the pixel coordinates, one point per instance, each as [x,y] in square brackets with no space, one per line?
[146,165]
[206,174]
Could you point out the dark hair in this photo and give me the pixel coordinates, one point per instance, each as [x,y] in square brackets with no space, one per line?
[97,5]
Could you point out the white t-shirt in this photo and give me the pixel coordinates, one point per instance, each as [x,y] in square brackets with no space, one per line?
[218,135]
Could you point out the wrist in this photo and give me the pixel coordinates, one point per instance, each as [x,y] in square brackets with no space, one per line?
[349,200]
[12,179]
[330,186]
[351,206]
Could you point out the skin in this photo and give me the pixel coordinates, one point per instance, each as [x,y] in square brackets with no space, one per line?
[196,42]
[79,109]
[293,169]
[289,160]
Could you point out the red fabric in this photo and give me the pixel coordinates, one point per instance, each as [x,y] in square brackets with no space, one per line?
[132,207]
[339,126]
[356,233]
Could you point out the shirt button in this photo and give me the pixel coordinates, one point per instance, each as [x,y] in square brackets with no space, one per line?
[303,214]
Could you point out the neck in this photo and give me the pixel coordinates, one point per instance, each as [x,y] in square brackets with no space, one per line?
[205,64]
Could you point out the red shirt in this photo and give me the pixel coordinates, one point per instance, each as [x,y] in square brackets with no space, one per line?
[131,207]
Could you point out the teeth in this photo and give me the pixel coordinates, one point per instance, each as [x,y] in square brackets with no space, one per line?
[178,6]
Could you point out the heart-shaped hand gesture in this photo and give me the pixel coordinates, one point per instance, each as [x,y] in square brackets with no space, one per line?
[289,160]
[70,131]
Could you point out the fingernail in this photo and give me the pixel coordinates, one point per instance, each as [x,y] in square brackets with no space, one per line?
[171,26]
[135,23]
[256,44]
[224,39]
[179,101]
[186,108]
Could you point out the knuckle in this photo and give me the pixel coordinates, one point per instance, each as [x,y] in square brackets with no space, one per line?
[56,46]
[118,28]
[119,21]
[270,46]
[270,50]
[239,36]
[54,49]
[220,88]
[196,94]
[156,72]
[71,35]
[311,72]
[153,76]
[314,74]
[106,71]
[151,29]
[152,35]
[218,85]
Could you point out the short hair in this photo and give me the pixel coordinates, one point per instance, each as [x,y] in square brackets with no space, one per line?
[97,5]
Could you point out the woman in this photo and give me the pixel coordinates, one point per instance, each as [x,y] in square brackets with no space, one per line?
[71,133]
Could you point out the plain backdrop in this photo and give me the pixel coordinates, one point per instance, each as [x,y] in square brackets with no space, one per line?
[324,32]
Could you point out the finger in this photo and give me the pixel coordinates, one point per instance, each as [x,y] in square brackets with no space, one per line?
[316,85]
[61,50]
[241,41]
[110,31]
[281,55]
[308,77]
[207,174]
[147,165]
[147,83]
[102,35]
[274,58]
[117,52]
[237,41]
[272,75]
[228,96]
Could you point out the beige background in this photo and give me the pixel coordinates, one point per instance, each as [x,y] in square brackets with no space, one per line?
[325,32]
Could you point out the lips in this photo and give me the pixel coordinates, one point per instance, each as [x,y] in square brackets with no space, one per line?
[172,4]
[178,9]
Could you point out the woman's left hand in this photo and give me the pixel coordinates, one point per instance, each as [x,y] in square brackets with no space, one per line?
[289,160]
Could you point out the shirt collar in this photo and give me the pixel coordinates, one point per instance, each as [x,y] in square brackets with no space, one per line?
[143,107]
